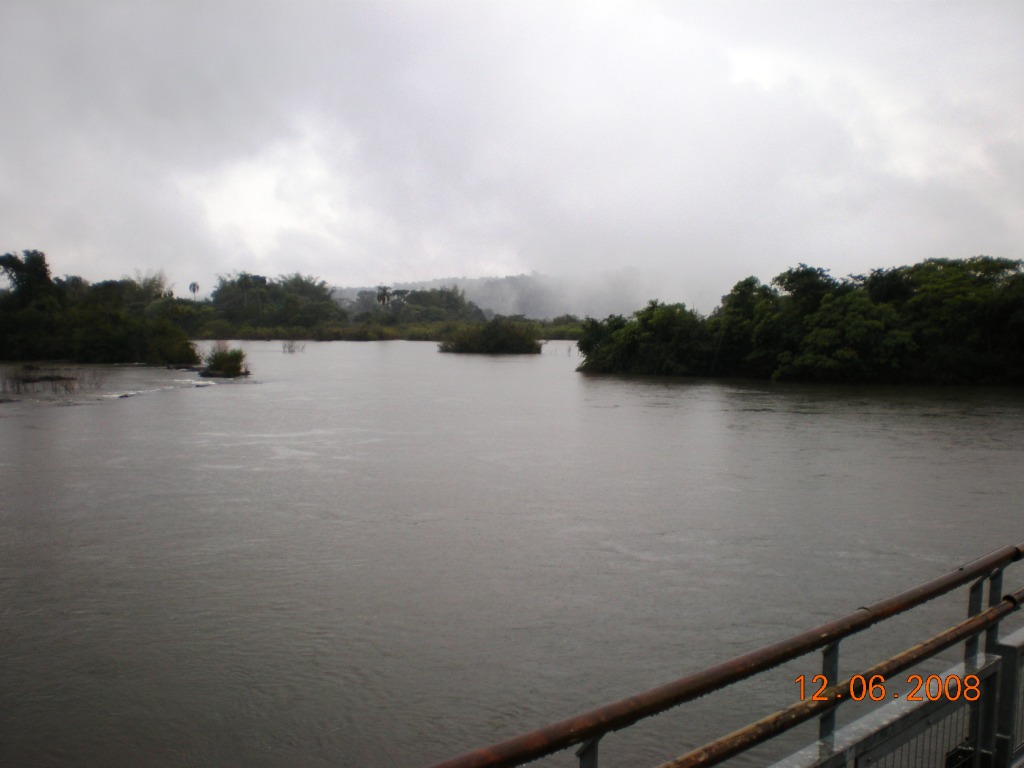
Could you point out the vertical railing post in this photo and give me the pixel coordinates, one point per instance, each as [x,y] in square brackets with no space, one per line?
[830,669]
[995,589]
[974,608]
[587,753]
[983,716]
[993,706]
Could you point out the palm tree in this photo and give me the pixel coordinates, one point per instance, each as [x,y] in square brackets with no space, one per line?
[383,294]
[194,287]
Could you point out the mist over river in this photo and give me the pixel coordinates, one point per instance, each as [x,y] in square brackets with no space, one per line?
[373,554]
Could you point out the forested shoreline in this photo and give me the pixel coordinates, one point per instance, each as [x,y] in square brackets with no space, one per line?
[140,320]
[114,321]
[937,321]
[940,321]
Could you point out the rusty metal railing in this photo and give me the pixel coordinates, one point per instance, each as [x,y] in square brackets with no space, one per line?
[790,717]
[589,727]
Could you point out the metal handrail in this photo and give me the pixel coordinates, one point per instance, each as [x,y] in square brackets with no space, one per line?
[792,716]
[617,715]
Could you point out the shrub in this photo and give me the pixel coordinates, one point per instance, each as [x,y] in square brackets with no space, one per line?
[222,362]
[500,336]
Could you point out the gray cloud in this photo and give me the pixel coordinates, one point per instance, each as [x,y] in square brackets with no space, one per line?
[685,144]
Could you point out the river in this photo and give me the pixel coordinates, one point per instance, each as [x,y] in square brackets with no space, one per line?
[373,554]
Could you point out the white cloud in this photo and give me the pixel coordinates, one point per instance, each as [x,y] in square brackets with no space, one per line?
[895,127]
[252,201]
[695,143]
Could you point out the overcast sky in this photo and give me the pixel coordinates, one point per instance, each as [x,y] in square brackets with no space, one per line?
[675,147]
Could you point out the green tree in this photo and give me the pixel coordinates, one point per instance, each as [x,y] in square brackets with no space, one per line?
[290,303]
[116,321]
[445,304]
[733,327]
[888,286]
[598,346]
[958,314]
[28,275]
[850,338]
[661,339]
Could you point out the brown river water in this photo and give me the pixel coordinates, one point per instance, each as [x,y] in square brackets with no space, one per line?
[378,555]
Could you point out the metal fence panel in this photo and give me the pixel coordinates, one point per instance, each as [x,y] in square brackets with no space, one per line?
[908,734]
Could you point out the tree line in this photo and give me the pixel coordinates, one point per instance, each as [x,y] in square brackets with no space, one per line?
[141,320]
[114,321]
[937,321]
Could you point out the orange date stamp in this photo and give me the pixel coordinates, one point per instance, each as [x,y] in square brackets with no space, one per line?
[858,688]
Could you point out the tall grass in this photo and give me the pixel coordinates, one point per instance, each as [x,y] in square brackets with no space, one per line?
[33,380]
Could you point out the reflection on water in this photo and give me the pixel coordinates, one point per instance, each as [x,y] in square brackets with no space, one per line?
[374,554]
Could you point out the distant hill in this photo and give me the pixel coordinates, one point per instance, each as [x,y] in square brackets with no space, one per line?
[537,296]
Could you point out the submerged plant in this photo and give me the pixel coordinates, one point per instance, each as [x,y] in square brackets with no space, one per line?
[32,380]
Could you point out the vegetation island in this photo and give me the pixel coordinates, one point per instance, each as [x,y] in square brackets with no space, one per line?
[941,321]
[938,321]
